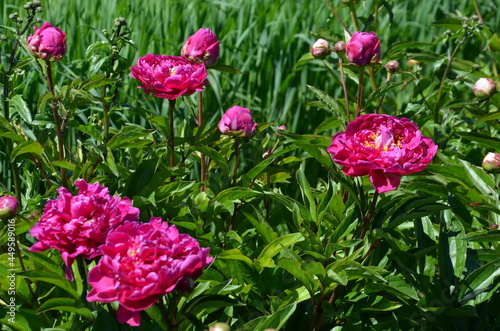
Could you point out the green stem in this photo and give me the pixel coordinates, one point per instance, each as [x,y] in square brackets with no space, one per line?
[203,164]
[344,87]
[354,17]
[235,165]
[171,141]
[368,216]
[338,17]
[360,92]
[389,75]
[105,112]
[57,121]
[488,48]
[441,85]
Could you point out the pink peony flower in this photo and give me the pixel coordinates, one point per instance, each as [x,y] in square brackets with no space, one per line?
[78,225]
[320,49]
[363,48]
[143,261]
[8,206]
[491,162]
[484,87]
[203,46]
[47,43]
[383,147]
[169,77]
[237,121]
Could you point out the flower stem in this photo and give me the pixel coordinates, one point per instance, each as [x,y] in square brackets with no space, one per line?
[171,141]
[388,79]
[368,216]
[235,165]
[105,112]
[203,165]
[338,17]
[344,87]
[57,121]
[441,85]
[360,92]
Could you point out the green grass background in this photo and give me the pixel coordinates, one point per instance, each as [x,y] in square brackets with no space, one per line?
[262,38]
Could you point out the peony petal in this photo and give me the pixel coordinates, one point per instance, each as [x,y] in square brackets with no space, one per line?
[132,318]
[384,181]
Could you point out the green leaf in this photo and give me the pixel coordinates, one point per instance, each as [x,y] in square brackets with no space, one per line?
[230,196]
[225,68]
[21,107]
[265,258]
[27,147]
[208,302]
[489,236]
[477,284]
[235,254]
[131,137]
[331,104]
[304,59]
[305,189]
[482,139]
[65,304]
[51,278]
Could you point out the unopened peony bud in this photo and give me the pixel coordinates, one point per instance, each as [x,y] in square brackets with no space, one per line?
[363,48]
[220,327]
[8,206]
[339,47]
[320,49]
[392,66]
[484,88]
[237,121]
[491,162]
[47,43]
[202,46]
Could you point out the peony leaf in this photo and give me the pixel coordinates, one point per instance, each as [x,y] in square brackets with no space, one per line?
[65,304]
[18,103]
[27,147]
[208,302]
[304,59]
[477,285]
[275,247]
[235,254]
[51,278]
[331,104]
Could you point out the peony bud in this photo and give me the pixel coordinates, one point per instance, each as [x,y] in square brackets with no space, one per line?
[392,66]
[320,49]
[47,43]
[8,206]
[339,47]
[237,121]
[491,162]
[484,88]
[219,326]
[363,48]
[203,46]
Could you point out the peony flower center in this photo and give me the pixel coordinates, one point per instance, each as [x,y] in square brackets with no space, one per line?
[173,70]
[383,139]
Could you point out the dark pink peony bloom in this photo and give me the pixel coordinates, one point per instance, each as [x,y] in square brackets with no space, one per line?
[202,46]
[78,225]
[8,206]
[47,43]
[383,147]
[363,48]
[169,77]
[143,261]
[237,121]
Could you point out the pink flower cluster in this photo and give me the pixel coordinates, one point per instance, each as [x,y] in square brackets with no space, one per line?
[78,225]
[383,147]
[143,261]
